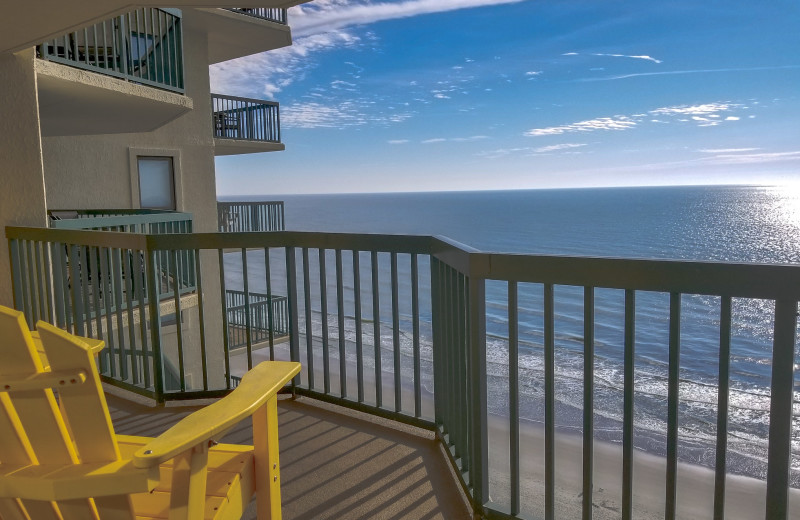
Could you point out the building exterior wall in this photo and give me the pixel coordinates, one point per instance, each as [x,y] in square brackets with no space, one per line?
[99,171]
[22,187]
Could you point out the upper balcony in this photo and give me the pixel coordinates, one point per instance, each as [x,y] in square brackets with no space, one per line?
[123,74]
[234,217]
[20,29]
[237,32]
[243,125]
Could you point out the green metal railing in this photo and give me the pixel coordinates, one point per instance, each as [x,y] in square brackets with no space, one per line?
[123,220]
[264,317]
[396,326]
[250,216]
[276,15]
[143,46]
[245,119]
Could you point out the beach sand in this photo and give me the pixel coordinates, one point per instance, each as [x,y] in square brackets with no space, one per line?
[745,497]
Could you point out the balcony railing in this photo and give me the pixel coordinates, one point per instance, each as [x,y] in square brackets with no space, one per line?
[143,46]
[264,13]
[124,220]
[245,119]
[250,216]
[397,326]
[264,317]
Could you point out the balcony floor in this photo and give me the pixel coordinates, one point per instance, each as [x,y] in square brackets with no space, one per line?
[336,463]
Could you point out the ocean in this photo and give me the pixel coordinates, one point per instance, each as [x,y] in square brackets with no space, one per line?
[720,223]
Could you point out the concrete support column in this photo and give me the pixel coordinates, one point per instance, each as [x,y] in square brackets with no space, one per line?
[22,191]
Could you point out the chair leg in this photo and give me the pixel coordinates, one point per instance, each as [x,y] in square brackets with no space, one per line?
[265,444]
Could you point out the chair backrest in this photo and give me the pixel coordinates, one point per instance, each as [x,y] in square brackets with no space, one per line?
[40,427]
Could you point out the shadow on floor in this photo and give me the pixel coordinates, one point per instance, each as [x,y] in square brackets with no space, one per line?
[336,463]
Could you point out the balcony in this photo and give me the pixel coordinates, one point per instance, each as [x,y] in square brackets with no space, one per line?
[397,327]
[237,32]
[234,217]
[124,74]
[243,125]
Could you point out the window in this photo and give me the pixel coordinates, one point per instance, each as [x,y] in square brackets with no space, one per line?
[156,183]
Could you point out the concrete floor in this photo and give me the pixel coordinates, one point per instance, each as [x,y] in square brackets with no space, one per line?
[336,463]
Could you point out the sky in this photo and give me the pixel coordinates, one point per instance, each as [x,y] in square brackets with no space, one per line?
[447,95]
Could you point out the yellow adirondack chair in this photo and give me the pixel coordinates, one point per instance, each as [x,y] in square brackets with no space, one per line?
[60,457]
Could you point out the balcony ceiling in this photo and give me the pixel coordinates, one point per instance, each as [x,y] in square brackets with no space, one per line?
[25,24]
[78,102]
[242,146]
[233,35]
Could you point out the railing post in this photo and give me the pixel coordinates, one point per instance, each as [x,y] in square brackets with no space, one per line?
[437,342]
[294,332]
[477,356]
[780,410]
[151,291]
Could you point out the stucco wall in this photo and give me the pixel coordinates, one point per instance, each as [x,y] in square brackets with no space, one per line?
[22,191]
[96,171]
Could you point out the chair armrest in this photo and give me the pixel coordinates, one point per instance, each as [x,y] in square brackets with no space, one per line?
[53,482]
[257,387]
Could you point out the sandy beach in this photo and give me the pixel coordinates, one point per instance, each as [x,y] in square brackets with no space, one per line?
[745,496]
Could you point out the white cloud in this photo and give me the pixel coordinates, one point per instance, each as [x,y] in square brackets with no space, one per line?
[326,15]
[557,147]
[455,139]
[337,115]
[696,111]
[754,158]
[397,141]
[602,54]
[647,58]
[697,71]
[317,27]
[591,125]
[344,85]
[502,152]
[528,150]
[706,114]
[468,139]
[727,150]
[533,72]
[266,74]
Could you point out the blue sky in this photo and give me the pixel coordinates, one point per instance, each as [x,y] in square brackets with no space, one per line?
[428,95]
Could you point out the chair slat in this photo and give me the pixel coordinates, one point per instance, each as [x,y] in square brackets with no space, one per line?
[37,411]
[87,415]
[84,405]
[10,509]
[77,509]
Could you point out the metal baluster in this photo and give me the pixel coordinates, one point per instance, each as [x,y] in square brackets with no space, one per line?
[723,389]
[588,401]
[398,385]
[627,405]
[672,404]
[341,324]
[513,395]
[309,330]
